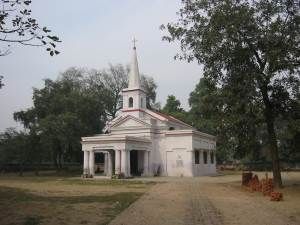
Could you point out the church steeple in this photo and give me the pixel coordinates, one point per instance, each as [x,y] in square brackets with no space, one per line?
[134,97]
[134,74]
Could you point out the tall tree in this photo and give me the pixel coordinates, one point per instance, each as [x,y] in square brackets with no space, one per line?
[205,109]
[172,105]
[173,108]
[63,111]
[235,123]
[242,41]
[114,80]
[150,87]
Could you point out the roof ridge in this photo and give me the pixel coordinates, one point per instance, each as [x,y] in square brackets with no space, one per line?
[167,116]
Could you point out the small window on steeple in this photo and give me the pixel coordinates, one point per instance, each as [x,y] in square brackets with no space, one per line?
[130,102]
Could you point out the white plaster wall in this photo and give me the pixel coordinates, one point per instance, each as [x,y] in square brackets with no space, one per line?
[155,157]
[207,145]
[178,148]
[136,95]
[175,155]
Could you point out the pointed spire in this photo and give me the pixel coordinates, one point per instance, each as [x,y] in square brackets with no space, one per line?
[134,75]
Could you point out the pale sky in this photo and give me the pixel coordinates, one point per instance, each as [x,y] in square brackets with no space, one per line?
[94,34]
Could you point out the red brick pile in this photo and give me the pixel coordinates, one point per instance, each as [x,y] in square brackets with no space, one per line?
[276,196]
[265,185]
[254,184]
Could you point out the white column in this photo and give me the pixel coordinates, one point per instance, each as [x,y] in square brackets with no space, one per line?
[190,163]
[110,164]
[105,163]
[92,163]
[124,162]
[146,163]
[86,162]
[117,162]
[128,163]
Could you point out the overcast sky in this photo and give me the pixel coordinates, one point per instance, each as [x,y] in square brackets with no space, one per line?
[94,34]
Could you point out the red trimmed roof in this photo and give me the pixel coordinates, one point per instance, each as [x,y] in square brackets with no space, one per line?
[166,116]
[171,118]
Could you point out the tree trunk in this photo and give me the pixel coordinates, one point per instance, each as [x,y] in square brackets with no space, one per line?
[55,157]
[269,119]
[21,169]
[60,161]
[37,168]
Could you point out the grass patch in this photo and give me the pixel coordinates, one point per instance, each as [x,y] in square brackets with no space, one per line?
[22,195]
[108,182]
[78,181]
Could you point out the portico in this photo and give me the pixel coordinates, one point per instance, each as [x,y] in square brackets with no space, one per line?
[116,152]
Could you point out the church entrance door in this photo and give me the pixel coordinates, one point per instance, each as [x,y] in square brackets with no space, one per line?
[99,163]
[134,166]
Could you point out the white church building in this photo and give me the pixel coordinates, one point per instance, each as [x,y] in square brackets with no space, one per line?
[143,142]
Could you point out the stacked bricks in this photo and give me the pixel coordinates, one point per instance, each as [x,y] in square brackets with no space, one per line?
[276,196]
[254,184]
[265,186]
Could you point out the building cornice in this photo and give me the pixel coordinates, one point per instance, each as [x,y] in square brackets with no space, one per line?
[109,138]
[133,89]
[190,133]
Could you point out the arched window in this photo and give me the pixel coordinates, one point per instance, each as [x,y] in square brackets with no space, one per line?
[205,157]
[142,103]
[130,102]
[212,157]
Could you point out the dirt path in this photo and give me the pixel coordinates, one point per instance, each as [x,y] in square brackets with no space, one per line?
[200,208]
[212,201]
[172,203]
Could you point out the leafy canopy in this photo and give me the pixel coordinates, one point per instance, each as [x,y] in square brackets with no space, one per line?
[248,48]
[17,26]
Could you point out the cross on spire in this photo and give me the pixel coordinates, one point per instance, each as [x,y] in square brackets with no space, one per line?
[134,41]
